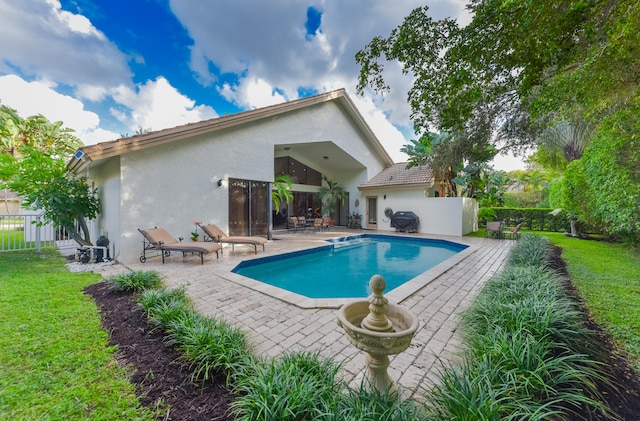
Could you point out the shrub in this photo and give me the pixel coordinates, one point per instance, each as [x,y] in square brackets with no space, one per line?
[135,281]
[539,219]
[294,387]
[527,352]
[164,305]
[209,346]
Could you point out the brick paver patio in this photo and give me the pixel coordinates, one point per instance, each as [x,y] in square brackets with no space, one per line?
[276,326]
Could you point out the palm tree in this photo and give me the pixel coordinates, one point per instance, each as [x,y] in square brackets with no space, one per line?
[329,196]
[438,151]
[281,191]
[568,138]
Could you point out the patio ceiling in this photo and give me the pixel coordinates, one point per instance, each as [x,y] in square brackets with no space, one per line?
[314,154]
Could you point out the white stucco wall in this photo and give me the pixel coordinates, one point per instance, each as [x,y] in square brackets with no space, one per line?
[455,216]
[107,177]
[172,185]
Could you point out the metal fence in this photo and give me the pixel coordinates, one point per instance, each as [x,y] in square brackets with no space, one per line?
[26,232]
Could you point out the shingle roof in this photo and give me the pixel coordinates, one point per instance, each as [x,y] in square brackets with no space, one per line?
[135,143]
[399,176]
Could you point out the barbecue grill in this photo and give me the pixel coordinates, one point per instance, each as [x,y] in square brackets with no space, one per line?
[406,221]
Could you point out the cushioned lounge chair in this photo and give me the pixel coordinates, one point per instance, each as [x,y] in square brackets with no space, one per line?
[219,236]
[160,241]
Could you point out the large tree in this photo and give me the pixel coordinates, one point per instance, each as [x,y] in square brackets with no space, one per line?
[516,62]
[33,164]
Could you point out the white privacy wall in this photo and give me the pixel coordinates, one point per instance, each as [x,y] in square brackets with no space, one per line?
[454,216]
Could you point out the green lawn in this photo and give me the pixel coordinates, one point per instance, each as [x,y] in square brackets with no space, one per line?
[55,361]
[11,239]
[608,278]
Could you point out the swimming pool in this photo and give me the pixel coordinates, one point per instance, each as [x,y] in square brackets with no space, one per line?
[343,268]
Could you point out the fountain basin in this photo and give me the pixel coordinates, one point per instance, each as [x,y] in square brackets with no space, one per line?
[405,325]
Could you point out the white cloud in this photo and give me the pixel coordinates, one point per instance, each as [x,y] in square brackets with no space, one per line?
[41,39]
[19,94]
[263,44]
[252,93]
[157,105]
[273,58]
[390,137]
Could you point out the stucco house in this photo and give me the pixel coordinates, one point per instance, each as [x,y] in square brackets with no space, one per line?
[220,171]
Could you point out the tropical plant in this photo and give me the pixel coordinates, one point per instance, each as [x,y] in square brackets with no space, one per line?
[562,142]
[33,164]
[282,191]
[529,354]
[330,195]
[135,281]
[438,152]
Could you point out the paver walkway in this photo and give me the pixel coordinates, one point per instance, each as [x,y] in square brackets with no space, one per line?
[276,326]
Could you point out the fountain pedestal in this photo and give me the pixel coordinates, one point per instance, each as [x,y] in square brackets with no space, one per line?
[379,329]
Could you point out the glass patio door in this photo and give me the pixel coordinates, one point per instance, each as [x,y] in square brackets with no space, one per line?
[248,207]
[372,212]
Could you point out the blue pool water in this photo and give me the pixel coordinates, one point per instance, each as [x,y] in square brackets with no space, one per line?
[343,269]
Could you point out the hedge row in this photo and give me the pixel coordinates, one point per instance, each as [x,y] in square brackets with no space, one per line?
[538,219]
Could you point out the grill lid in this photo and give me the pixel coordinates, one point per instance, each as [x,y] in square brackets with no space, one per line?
[405,220]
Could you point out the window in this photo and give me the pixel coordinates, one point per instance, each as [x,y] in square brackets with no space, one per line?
[300,173]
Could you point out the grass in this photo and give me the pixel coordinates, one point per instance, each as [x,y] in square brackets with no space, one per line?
[11,239]
[55,361]
[608,279]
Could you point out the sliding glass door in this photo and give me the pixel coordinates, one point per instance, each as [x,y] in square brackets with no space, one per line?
[248,207]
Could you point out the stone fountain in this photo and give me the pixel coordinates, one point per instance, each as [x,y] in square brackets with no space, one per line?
[379,329]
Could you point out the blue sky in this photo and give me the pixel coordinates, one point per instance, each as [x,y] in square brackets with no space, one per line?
[106,68]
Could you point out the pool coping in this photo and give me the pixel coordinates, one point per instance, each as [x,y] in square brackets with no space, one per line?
[397,295]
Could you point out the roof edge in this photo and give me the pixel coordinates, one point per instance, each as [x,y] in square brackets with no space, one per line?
[91,153]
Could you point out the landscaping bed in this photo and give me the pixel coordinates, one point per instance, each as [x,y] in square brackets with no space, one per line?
[161,379]
[163,382]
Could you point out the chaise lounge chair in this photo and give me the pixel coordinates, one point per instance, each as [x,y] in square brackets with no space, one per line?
[159,240]
[217,235]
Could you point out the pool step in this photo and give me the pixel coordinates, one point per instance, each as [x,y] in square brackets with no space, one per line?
[349,244]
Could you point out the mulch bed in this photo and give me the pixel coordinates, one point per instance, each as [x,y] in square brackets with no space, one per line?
[164,382]
[161,379]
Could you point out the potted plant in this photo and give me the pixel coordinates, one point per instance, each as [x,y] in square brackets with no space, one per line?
[194,234]
[329,195]
[355,220]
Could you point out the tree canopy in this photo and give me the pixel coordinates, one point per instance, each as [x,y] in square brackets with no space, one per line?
[516,74]
[33,164]
[515,64]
